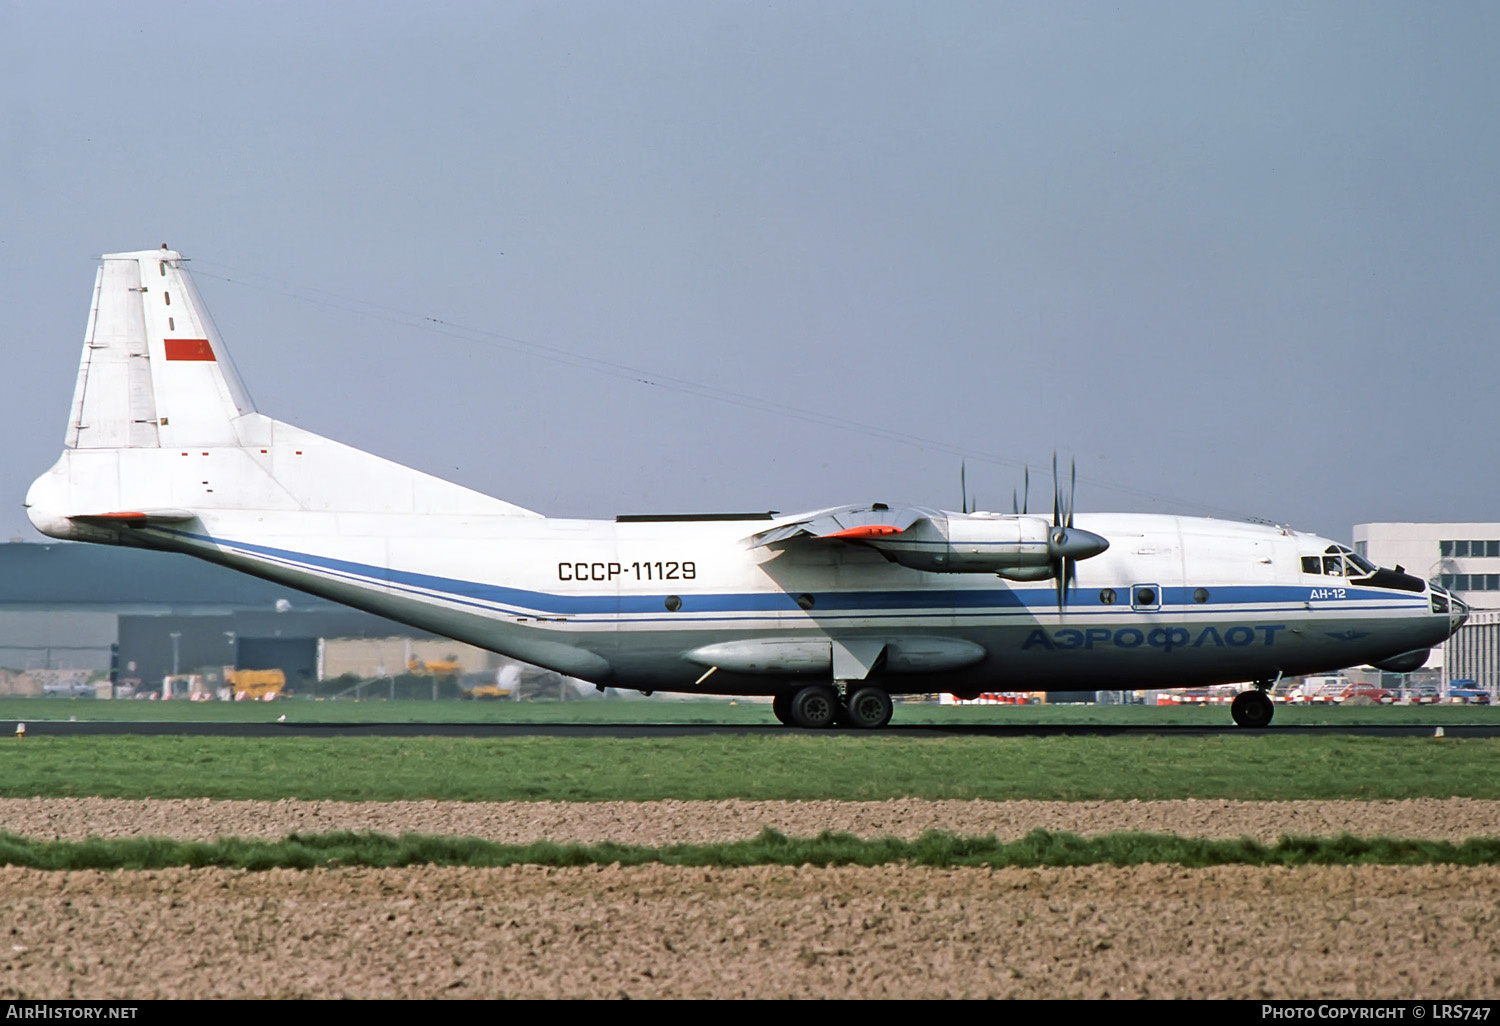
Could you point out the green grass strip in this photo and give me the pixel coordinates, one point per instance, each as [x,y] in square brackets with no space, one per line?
[848,766]
[770,848]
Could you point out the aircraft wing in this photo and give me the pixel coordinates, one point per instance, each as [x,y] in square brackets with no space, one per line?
[843,523]
[1020,547]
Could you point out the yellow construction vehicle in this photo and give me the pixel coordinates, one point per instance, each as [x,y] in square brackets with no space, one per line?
[255,685]
[434,667]
[488,692]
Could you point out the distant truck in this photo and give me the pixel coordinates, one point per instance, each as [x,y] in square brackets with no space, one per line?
[1319,688]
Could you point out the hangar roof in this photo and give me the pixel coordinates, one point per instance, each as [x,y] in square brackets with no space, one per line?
[65,574]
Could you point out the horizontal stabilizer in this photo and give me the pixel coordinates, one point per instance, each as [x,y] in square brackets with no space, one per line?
[136,518]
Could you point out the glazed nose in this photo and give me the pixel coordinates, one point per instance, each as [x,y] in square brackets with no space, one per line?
[1458,613]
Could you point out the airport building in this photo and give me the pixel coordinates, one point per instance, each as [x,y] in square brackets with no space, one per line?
[68,611]
[1463,557]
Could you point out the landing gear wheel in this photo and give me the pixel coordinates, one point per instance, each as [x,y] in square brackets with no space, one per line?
[813,707]
[781,707]
[1252,709]
[869,708]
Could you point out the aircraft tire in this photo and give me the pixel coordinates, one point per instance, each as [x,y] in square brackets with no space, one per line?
[1252,709]
[781,707]
[814,707]
[869,708]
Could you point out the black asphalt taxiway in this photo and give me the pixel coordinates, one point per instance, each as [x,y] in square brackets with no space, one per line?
[100,728]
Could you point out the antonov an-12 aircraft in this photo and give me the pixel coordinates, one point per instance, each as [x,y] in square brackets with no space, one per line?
[830,611]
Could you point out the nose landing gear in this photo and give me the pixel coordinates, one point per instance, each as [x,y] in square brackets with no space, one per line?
[1253,709]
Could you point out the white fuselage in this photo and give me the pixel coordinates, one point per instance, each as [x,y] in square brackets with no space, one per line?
[1175,601]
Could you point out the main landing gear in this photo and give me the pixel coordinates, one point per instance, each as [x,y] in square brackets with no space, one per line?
[819,705]
[1253,709]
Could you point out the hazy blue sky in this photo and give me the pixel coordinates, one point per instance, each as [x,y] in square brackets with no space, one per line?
[1236,258]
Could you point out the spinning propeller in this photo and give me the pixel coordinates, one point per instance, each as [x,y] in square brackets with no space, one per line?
[1025,494]
[1067,544]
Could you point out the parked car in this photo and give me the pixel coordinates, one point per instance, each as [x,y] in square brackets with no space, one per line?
[73,689]
[1465,690]
[1370,691]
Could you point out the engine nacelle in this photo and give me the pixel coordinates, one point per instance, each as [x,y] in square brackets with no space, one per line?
[1021,548]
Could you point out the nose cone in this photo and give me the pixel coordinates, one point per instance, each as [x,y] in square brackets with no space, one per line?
[1074,543]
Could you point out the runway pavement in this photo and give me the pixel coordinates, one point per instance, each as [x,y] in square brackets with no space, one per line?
[85,728]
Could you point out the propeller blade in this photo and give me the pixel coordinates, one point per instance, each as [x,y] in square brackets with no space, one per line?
[1056,495]
[1026,493]
[963,485]
[1072,487]
[1068,544]
[1013,507]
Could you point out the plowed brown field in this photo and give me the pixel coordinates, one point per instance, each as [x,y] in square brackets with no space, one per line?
[765,932]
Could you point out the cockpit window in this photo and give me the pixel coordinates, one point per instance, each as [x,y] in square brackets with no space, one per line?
[1338,561]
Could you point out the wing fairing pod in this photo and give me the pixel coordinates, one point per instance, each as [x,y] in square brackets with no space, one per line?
[897,654]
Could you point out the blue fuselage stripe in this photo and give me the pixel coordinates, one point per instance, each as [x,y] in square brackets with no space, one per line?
[959,602]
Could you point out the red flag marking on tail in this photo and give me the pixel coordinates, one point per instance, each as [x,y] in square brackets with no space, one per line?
[190,349]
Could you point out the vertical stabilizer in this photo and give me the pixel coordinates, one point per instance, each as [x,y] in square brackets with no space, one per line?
[154,372]
[162,430]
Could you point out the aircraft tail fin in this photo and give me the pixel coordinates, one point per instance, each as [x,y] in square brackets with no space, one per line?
[162,428]
[154,371]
